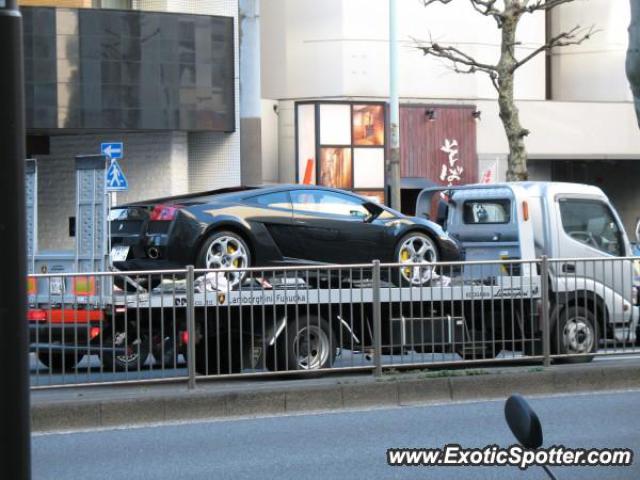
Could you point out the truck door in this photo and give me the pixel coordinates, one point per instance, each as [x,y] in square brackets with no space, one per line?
[589,228]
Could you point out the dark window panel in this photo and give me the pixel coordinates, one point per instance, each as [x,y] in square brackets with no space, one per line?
[133,70]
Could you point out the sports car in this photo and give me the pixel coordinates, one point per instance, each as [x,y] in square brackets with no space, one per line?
[242,227]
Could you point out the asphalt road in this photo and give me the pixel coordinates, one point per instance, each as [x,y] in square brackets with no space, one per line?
[350,445]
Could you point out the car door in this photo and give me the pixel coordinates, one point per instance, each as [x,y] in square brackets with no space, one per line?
[271,221]
[335,227]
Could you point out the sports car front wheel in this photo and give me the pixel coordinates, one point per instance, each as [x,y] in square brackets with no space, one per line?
[413,250]
[226,251]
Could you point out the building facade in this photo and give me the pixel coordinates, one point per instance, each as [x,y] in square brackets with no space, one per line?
[323,63]
[159,76]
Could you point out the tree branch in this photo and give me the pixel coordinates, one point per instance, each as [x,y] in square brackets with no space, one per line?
[461,62]
[575,36]
[539,5]
[485,7]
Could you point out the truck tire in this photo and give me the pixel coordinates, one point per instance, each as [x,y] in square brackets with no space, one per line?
[575,332]
[58,361]
[165,356]
[309,345]
[213,356]
[135,357]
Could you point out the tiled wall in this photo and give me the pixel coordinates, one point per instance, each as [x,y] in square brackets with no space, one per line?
[214,158]
[155,165]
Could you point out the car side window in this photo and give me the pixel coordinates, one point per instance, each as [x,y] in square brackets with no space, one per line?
[273,200]
[592,223]
[332,203]
[487,211]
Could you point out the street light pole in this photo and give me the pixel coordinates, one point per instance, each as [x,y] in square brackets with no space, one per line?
[15,459]
[393,169]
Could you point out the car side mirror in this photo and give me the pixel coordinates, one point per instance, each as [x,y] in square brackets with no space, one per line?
[374,211]
[523,422]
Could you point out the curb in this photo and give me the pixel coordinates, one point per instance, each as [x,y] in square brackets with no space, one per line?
[151,406]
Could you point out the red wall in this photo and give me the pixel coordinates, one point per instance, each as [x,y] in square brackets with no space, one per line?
[421,140]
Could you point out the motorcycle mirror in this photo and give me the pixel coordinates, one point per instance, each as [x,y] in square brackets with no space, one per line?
[523,422]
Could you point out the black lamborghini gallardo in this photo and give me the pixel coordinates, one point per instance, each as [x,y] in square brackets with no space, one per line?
[236,228]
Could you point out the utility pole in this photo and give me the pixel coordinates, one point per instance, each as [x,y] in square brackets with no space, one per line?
[250,95]
[393,166]
[15,459]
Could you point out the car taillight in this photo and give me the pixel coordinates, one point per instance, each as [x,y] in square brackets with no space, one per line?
[163,213]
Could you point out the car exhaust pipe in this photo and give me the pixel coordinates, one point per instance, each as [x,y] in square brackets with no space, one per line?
[153,253]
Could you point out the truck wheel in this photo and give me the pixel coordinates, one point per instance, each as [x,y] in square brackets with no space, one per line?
[575,332]
[135,355]
[165,356]
[59,362]
[213,356]
[309,345]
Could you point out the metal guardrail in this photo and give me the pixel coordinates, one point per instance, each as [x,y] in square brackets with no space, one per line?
[188,324]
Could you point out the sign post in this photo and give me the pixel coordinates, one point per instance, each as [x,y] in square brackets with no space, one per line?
[15,457]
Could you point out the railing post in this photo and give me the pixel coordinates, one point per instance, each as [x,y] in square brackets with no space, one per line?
[191,329]
[377,320]
[546,334]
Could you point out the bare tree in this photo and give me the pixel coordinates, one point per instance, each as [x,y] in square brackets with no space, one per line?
[507,15]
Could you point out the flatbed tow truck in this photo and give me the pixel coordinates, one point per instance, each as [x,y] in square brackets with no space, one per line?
[507,296]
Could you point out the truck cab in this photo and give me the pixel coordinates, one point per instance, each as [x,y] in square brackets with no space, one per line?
[574,225]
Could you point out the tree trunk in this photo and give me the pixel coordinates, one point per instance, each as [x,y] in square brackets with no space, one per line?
[517,160]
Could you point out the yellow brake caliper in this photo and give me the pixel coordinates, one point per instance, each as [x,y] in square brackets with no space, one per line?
[404,256]
[231,249]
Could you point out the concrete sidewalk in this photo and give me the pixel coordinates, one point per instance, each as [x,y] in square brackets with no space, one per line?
[113,406]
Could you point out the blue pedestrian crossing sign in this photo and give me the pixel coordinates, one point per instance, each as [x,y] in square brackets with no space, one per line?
[116,181]
[113,150]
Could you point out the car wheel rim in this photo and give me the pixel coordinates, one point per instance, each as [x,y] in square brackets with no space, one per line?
[578,336]
[311,348]
[228,253]
[417,250]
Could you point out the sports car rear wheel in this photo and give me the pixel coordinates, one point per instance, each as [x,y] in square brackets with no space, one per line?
[226,251]
[415,248]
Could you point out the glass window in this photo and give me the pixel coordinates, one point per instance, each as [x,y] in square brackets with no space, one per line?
[335,168]
[307,144]
[368,125]
[335,124]
[332,203]
[368,168]
[487,211]
[592,223]
[272,200]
